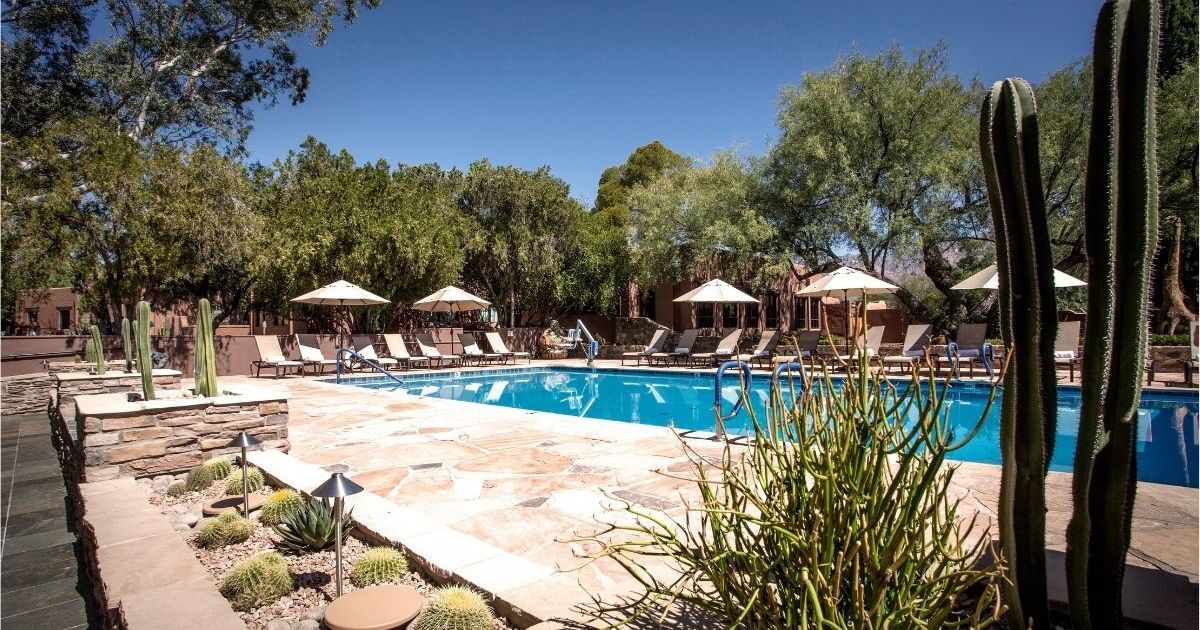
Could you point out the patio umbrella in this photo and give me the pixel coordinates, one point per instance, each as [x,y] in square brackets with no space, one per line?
[716,291]
[846,283]
[989,278]
[450,299]
[341,293]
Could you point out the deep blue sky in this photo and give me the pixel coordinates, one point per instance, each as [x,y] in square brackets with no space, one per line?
[578,85]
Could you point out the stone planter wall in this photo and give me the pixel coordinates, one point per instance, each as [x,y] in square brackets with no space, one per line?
[71,385]
[28,393]
[120,438]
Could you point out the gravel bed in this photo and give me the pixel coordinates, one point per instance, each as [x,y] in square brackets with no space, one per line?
[312,573]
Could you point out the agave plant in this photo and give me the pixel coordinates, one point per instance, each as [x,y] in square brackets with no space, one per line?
[312,527]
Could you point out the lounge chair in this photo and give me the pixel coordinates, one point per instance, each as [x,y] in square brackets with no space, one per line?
[805,348]
[656,344]
[916,339]
[311,355]
[1066,347]
[398,350]
[765,350]
[681,352]
[271,355]
[497,346]
[364,345]
[868,343]
[969,346]
[727,349]
[429,349]
[471,350]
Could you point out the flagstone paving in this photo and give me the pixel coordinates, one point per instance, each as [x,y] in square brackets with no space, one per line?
[533,484]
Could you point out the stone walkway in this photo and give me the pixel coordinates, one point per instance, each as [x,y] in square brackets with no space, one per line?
[41,586]
[532,483]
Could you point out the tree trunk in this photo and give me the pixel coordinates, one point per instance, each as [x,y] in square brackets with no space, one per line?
[1174,309]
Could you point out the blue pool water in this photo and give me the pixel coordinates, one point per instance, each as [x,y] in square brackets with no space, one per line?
[1167,421]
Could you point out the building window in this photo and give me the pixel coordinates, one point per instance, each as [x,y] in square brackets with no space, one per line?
[704,316]
[772,299]
[752,315]
[807,314]
[814,313]
[32,315]
[729,316]
[64,319]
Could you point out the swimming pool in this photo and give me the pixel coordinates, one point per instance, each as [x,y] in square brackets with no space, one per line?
[1167,421]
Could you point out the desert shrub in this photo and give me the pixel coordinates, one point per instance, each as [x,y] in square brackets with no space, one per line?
[198,479]
[219,466]
[233,484]
[1170,340]
[312,527]
[378,565]
[257,581]
[229,528]
[839,513]
[454,608]
[176,489]
[278,504]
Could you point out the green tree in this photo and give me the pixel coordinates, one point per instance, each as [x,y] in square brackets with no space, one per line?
[1180,38]
[646,163]
[701,222]
[875,167]
[395,232]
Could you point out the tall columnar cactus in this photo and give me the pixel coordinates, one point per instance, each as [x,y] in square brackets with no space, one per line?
[1120,230]
[145,365]
[97,349]
[205,363]
[127,343]
[1008,140]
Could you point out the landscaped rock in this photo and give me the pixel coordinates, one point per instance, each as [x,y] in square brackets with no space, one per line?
[307,624]
[189,519]
[162,482]
[278,624]
[313,614]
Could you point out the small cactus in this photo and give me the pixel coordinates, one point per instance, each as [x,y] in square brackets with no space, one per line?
[145,364]
[198,479]
[220,467]
[278,505]
[233,484]
[205,362]
[229,528]
[127,343]
[378,565]
[257,581]
[176,489]
[454,608]
[95,349]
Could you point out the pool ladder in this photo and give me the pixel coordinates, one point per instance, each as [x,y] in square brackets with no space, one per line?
[341,359]
[719,429]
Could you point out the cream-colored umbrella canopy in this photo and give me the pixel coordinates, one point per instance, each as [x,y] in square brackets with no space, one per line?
[845,282]
[451,299]
[989,278]
[341,293]
[716,291]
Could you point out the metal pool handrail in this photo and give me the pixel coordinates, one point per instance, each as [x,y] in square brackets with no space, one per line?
[745,368]
[339,357]
[792,366]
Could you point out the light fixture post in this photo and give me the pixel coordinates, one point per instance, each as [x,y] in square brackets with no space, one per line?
[245,440]
[337,487]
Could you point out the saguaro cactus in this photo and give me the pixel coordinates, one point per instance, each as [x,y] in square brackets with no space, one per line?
[145,365]
[126,343]
[205,364]
[1008,140]
[97,349]
[1120,230]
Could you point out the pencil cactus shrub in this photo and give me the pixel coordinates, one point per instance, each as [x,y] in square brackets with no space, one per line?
[95,349]
[219,467]
[378,565]
[205,363]
[1120,232]
[227,529]
[127,343]
[233,483]
[1008,141]
[257,581]
[278,505]
[454,608]
[838,512]
[145,365]
[199,479]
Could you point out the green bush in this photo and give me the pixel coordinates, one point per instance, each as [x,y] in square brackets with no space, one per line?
[838,514]
[378,565]
[220,467]
[454,608]
[312,527]
[280,503]
[229,528]
[176,489]
[257,581]
[1170,340]
[198,479]
[233,483]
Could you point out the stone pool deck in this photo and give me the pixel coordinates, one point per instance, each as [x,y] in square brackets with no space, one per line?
[527,483]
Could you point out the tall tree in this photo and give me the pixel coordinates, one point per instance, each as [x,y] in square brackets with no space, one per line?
[646,163]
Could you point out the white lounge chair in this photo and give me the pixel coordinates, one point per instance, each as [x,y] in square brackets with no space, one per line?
[272,356]
[429,349]
[398,350]
[726,350]
[656,345]
[311,355]
[681,352]
[471,350]
[497,346]
[916,338]
[364,345]
[765,351]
